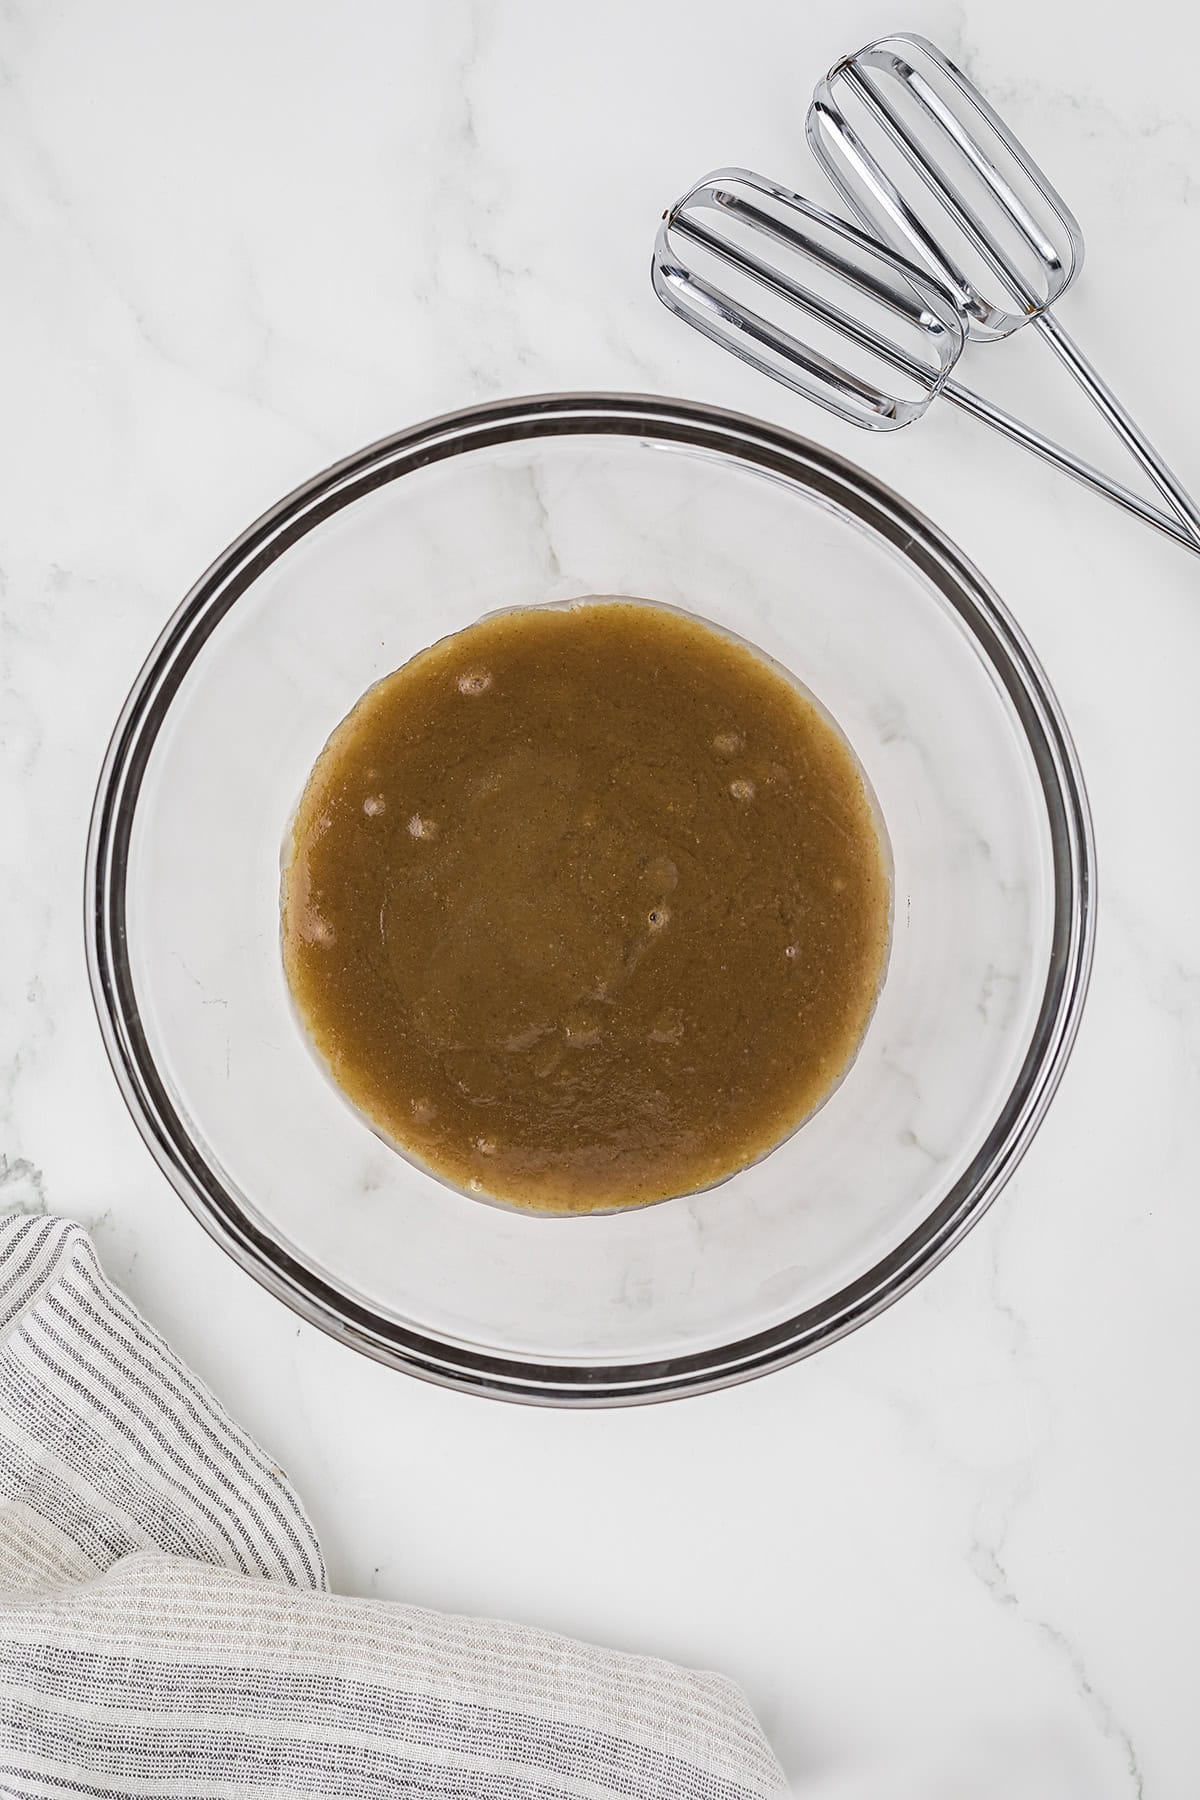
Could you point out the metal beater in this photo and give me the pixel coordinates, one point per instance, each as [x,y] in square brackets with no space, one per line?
[933,172]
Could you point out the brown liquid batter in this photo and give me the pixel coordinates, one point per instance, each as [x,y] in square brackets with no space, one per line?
[585,907]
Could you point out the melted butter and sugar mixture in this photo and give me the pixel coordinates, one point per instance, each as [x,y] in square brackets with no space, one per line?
[586,906]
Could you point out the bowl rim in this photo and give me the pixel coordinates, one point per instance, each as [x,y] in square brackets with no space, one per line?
[817,472]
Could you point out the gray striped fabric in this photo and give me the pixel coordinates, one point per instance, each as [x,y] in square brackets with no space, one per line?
[165,1627]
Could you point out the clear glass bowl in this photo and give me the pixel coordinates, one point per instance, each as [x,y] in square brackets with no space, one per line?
[542,500]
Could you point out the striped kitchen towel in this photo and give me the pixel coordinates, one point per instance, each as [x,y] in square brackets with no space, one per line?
[165,1627]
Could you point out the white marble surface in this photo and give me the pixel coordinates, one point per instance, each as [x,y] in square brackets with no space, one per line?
[955,1555]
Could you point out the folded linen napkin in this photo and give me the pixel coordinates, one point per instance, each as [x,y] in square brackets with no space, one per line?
[165,1628]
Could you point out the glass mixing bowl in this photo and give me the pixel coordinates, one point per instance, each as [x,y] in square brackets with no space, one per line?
[541,500]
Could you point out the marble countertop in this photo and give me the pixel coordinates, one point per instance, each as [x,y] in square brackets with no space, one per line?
[955,1554]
